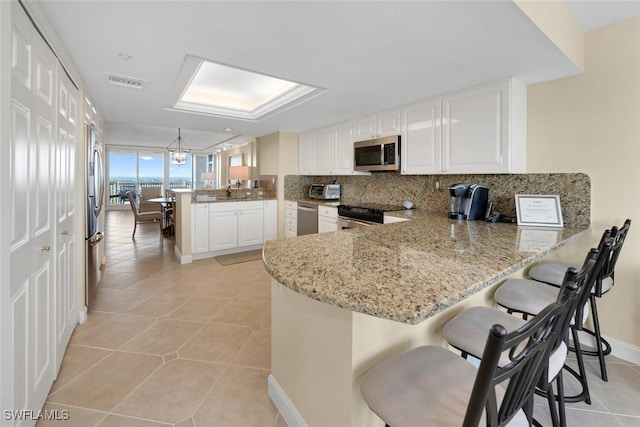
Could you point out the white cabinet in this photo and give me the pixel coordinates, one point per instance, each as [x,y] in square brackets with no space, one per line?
[477,131]
[222,227]
[250,227]
[382,124]
[343,149]
[223,230]
[323,151]
[484,130]
[327,151]
[270,219]
[200,227]
[306,151]
[327,219]
[290,219]
[421,138]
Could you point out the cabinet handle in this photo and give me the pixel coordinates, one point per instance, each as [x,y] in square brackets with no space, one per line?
[64,232]
[46,248]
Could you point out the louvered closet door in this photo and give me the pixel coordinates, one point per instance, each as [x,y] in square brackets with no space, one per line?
[65,213]
[32,246]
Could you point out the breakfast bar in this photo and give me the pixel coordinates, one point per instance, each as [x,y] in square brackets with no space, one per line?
[343,302]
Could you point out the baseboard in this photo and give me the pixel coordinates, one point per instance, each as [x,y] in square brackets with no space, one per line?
[213,254]
[187,259]
[624,350]
[287,411]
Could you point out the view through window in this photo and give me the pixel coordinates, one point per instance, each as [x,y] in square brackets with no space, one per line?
[130,170]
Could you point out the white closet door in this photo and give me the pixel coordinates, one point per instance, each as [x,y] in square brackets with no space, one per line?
[67,243]
[30,306]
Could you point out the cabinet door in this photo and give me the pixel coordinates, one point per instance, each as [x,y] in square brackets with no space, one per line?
[421,138]
[306,148]
[388,123]
[326,224]
[270,219]
[322,157]
[343,156]
[366,128]
[200,228]
[223,230]
[475,131]
[250,227]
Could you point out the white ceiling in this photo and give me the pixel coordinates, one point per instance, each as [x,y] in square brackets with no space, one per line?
[369,56]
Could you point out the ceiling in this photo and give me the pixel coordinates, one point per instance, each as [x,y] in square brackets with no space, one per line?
[367,56]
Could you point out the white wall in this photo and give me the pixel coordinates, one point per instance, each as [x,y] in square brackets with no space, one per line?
[591,123]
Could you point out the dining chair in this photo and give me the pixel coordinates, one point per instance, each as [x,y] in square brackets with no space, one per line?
[432,386]
[549,272]
[142,217]
[462,332]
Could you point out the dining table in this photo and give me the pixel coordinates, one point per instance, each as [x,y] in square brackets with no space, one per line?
[167,208]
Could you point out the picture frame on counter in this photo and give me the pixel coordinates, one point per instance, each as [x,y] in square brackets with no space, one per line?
[539,210]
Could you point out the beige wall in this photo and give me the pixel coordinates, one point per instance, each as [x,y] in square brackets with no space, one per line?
[278,155]
[591,123]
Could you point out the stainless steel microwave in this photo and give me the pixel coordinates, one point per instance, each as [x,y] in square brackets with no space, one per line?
[380,154]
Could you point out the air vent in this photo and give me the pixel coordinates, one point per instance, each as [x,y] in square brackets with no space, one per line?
[125,81]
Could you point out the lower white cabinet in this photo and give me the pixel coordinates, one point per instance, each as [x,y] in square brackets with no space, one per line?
[226,226]
[290,219]
[223,230]
[327,219]
[200,227]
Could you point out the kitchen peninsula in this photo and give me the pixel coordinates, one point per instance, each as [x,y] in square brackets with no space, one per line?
[344,301]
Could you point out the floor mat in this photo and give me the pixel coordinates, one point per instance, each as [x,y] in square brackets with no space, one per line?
[240,257]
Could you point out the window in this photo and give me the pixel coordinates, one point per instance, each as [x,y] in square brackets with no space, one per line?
[181,176]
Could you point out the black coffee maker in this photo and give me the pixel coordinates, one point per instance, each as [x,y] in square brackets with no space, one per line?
[468,201]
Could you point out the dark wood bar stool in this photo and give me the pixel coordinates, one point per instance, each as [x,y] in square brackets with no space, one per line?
[551,273]
[432,386]
[527,297]
[462,332]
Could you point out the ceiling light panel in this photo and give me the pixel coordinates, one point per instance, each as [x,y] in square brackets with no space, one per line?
[221,90]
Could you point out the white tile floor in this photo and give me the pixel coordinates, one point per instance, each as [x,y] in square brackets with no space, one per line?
[189,346]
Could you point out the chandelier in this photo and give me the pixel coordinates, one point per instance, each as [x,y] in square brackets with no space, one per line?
[178,151]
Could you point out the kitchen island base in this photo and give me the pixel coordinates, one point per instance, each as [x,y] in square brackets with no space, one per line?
[319,353]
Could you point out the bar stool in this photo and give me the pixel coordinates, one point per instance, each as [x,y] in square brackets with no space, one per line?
[431,386]
[462,332]
[551,273]
[527,297]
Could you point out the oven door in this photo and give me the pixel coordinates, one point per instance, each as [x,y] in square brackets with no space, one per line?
[345,223]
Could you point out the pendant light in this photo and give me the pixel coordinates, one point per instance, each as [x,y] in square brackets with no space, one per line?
[178,151]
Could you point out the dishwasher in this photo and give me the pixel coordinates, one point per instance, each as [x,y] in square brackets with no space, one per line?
[307,218]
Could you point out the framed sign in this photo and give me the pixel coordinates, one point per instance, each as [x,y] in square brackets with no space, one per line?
[539,210]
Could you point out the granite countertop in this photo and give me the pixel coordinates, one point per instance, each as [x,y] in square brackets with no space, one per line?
[232,199]
[408,271]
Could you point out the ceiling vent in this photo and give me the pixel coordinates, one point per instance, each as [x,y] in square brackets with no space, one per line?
[125,81]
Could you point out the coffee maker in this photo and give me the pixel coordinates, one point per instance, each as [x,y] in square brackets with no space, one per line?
[468,201]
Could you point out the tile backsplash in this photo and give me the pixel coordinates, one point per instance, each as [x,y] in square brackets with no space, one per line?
[574,190]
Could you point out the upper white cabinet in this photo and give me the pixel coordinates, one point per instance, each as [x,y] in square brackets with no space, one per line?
[379,125]
[343,151]
[484,130]
[420,143]
[323,151]
[306,144]
[477,131]
[481,130]
[327,151]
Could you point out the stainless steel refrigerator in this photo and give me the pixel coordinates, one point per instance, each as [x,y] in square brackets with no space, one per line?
[95,200]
